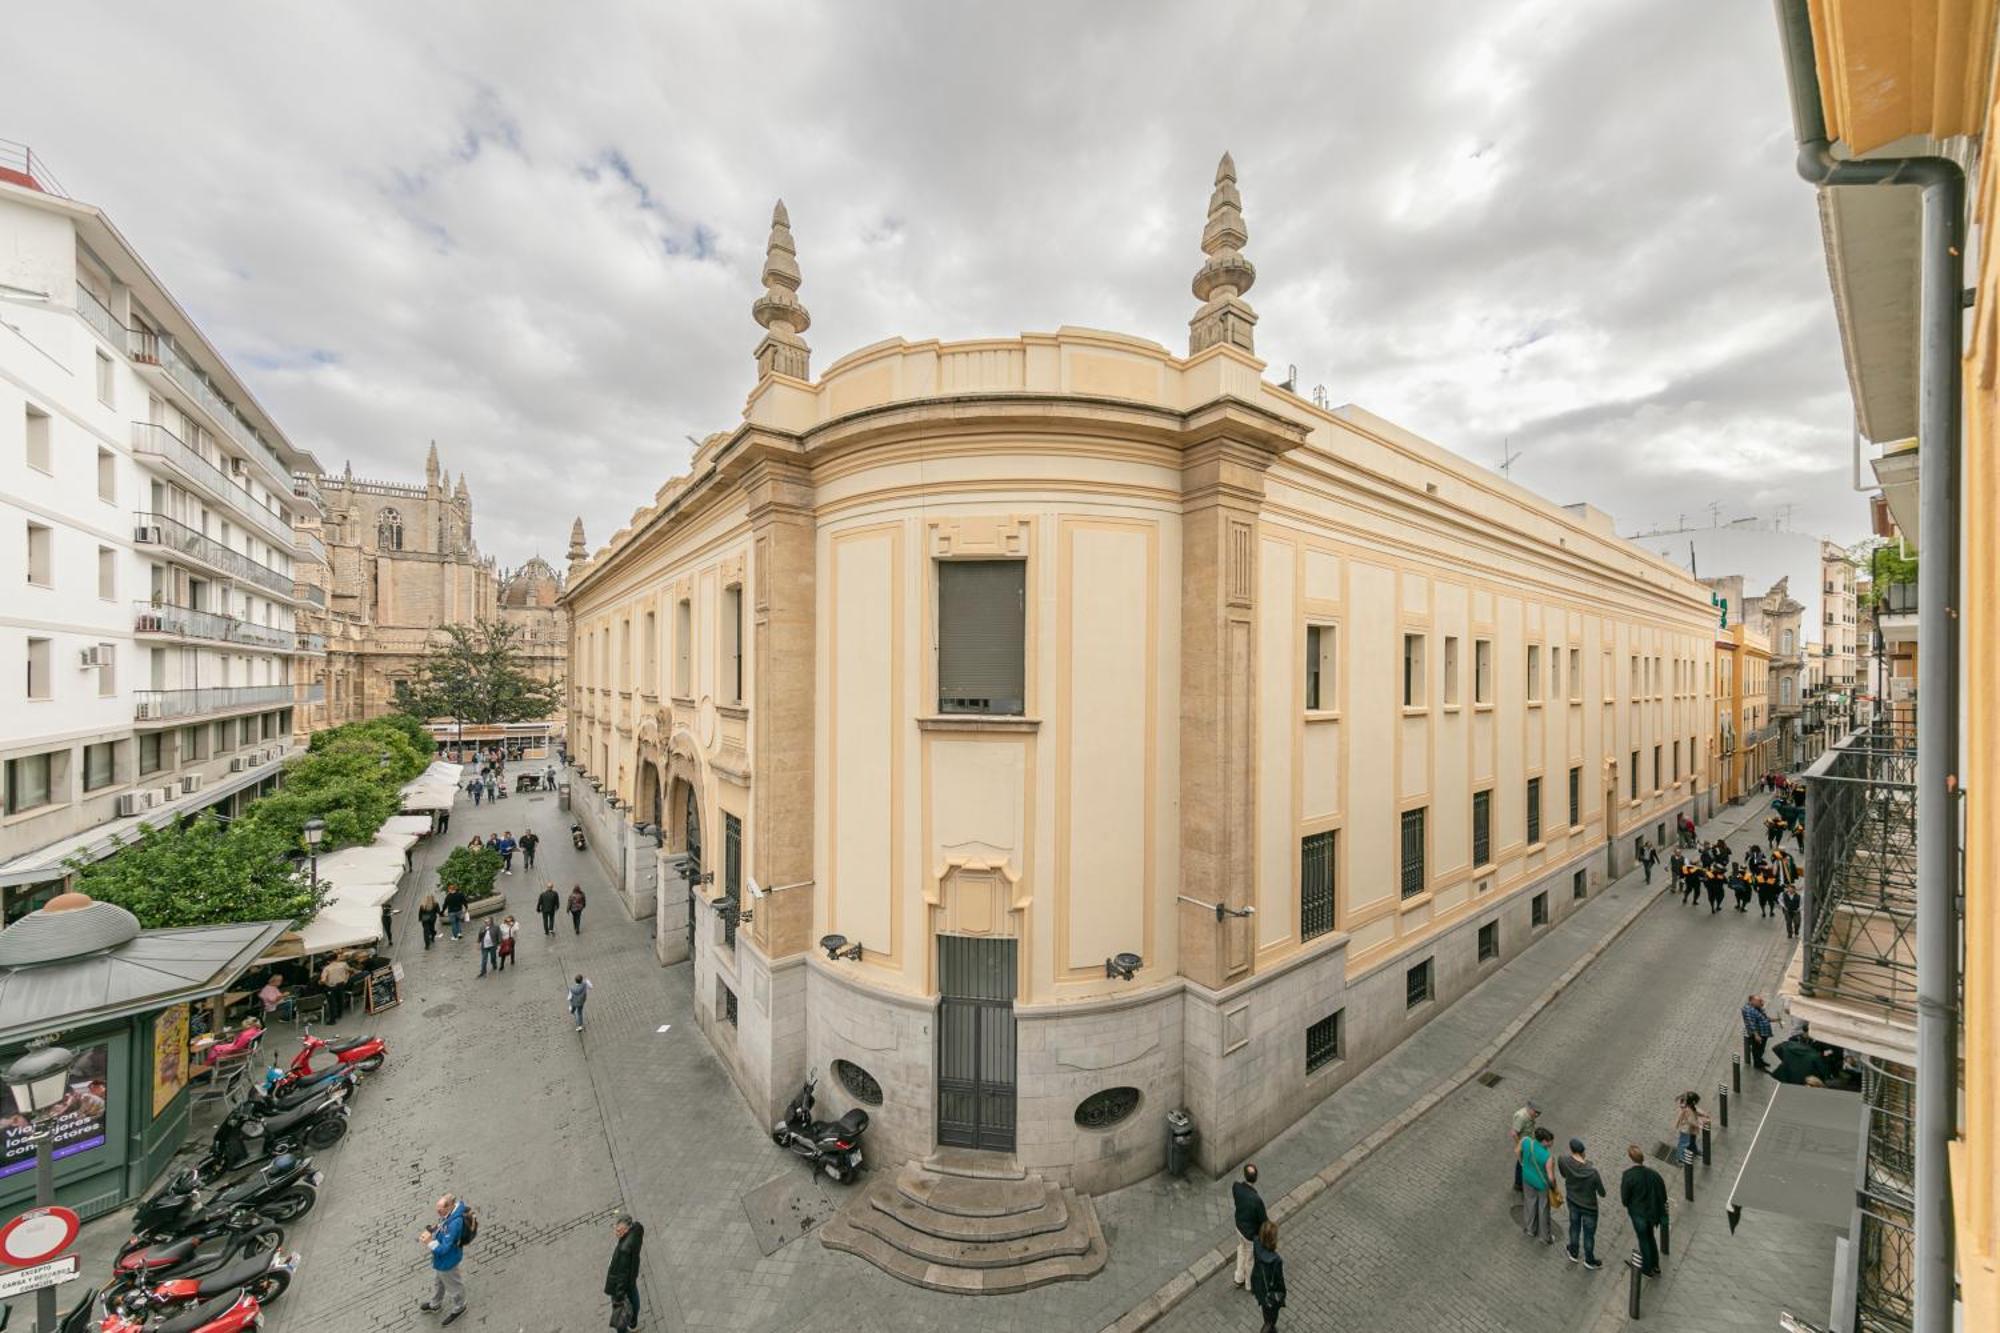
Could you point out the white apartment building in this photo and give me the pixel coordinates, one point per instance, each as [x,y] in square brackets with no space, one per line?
[147,643]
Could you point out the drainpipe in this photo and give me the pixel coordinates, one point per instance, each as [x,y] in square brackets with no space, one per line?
[1940,345]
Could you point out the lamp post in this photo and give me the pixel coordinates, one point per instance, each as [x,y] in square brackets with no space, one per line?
[315,832]
[39,1081]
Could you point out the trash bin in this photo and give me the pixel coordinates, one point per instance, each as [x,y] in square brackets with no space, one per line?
[1180,1141]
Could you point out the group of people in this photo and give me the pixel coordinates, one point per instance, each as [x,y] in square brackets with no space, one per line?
[1259,1270]
[458,1226]
[506,845]
[452,910]
[1547,1181]
[1773,879]
[1800,1059]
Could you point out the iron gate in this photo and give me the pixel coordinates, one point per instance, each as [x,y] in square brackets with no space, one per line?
[693,860]
[976,1043]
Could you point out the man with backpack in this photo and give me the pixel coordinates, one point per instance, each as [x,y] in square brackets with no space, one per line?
[579,991]
[446,1241]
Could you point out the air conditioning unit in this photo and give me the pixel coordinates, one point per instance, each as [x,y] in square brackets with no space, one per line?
[239,467]
[131,803]
[146,710]
[236,763]
[254,760]
[149,535]
[93,656]
[190,784]
[170,793]
[149,800]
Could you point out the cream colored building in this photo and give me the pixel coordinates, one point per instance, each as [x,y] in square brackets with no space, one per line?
[1002,659]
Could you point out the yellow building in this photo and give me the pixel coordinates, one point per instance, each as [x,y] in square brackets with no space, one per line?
[1892,104]
[1160,737]
[1746,742]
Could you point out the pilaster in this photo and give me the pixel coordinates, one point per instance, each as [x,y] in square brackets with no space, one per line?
[780,507]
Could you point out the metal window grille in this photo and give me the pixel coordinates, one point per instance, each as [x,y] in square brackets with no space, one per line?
[1315,634]
[1417,985]
[1489,941]
[1323,1041]
[732,881]
[1316,878]
[982,636]
[1414,877]
[1575,797]
[1538,909]
[728,1004]
[1534,811]
[1635,775]
[1482,827]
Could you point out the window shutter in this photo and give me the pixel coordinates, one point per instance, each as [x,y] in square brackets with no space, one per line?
[982,636]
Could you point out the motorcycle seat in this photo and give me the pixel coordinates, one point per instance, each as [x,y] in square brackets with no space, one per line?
[159,1256]
[228,1279]
[851,1124]
[198,1317]
[338,1046]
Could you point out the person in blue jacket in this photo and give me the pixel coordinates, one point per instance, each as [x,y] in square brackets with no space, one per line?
[446,1242]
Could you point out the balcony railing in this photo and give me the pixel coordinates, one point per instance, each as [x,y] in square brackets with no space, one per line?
[153,705]
[311,643]
[309,546]
[187,623]
[159,442]
[159,530]
[98,315]
[1861,906]
[1898,599]
[314,693]
[153,349]
[310,593]
[306,488]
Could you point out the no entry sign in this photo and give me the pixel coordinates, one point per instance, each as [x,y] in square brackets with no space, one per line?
[38,1235]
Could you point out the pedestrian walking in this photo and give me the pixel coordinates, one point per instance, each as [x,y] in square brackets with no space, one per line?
[1766,882]
[478,789]
[476,843]
[529,841]
[334,978]
[1643,1192]
[454,909]
[446,1242]
[548,905]
[1692,878]
[389,915]
[576,901]
[1267,1276]
[1739,885]
[443,822]
[1688,1120]
[1716,881]
[1648,857]
[1523,1125]
[1537,1170]
[1774,830]
[427,919]
[505,845]
[621,1279]
[549,777]
[1756,1031]
[1250,1219]
[489,946]
[1799,833]
[579,991]
[509,928]
[1583,1187]
[1790,902]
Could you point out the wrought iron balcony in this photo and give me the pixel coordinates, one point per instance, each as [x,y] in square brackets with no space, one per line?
[1898,599]
[1861,918]
[184,622]
[151,441]
[171,534]
[155,705]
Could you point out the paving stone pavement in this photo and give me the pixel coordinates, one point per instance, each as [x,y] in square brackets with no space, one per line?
[489,1093]
[1424,1234]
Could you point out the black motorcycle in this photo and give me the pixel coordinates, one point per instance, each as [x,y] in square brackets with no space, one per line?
[834,1145]
[274,1097]
[287,1188]
[218,1245]
[247,1134]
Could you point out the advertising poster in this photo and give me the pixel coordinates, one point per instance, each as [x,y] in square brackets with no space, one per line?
[170,1055]
[78,1118]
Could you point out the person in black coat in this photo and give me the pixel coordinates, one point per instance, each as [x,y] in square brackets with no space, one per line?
[548,905]
[1643,1192]
[621,1279]
[1267,1276]
[1250,1219]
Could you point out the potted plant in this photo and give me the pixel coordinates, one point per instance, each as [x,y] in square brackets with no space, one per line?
[473,869]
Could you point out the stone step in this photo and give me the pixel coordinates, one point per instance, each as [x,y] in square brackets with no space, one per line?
[1052,1214]
[975,1165]
[970,1196]
[841,1234]
[1072,1238]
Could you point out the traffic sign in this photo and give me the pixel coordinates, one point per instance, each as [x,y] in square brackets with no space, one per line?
[24,1280]
[38,1235]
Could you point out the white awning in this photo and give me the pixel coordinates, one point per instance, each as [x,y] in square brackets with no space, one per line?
[439,774]
[411,826]
[340,925]
[429,798]
[375,864]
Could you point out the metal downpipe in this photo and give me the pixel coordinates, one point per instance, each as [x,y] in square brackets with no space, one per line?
[1940,346]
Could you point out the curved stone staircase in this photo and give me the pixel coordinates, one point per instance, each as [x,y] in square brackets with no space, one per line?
[970,1230]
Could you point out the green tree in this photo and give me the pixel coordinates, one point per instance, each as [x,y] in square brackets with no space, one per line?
[203,871]
[1888,564]
[479,675]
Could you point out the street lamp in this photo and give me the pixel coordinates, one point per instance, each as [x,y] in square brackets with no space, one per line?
[39,1081]
[315,832]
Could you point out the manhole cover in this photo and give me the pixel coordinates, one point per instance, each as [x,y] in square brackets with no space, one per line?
[1489,1079]
[1664,1151]
[440,1010]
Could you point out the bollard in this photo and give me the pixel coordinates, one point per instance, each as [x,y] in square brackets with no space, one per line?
[1666,1233]
[1632,1299]
[1687,1174]
[1735,1074]
[1704,1146]
[1722,1096]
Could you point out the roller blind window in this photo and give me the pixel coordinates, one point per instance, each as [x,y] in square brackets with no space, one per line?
[982,636]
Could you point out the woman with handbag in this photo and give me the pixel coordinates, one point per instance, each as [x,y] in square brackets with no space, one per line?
[1688,1120]
[509,928]
[1267,1275]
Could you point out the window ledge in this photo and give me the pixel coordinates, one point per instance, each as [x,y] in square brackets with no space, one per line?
[1533,847]
[1534,703]
[1322,715]
[684,700]
[1482,708]
[1451,708]
[1414,901]
[976,722]
[1416,710]
[737,711]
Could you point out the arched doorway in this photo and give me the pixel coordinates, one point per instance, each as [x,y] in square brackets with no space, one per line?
[685,809]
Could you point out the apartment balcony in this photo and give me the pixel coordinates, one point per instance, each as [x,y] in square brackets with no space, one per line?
[187,465]
[308,547]
[307,592]
[306,488]
[98,315]
[187,544]
[314,644]
[184,622]
[204,701]
[1896,615]
[314,693]
[158,355]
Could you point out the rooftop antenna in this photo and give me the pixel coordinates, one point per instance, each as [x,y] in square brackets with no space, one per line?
[1785,515]
[1714,508]
[1319,395]
[1508,457]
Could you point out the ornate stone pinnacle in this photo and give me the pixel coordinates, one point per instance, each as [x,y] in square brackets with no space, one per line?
[577,550]
[783,351]
[1221,281]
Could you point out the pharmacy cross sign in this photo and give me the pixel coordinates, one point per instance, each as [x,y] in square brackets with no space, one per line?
[37,1235]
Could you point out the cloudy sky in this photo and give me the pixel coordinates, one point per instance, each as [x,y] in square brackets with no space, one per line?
[533,231]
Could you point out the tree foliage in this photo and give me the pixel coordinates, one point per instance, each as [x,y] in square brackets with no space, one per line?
[1888,564]
[479,675]
[472,869]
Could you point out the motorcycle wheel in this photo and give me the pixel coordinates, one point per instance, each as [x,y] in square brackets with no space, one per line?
[779,1137]
[270,1286]
[325,1133]
[372,1063]
[291,1204]
[261,1240]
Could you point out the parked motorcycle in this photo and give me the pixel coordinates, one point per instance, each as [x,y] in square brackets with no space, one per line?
[363,1053]
[834,1145]
[576,835]
[144,1263]
[285,1189]
[261,1276]
[247,1135]
[231,1312]
[277,1094]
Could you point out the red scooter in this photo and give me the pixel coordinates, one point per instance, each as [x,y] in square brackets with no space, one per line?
[364,1053]
[231,1312]
[262,1276]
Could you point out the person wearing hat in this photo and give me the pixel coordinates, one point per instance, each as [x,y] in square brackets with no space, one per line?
[1524,1125]
[621,1279]
[1585,1187]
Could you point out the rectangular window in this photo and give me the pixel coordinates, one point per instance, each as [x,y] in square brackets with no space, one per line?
[40,660]
[1657,750]
[1538,909]
[1635,676]
[1482,827]
[1482,671]
[1413,671]
[41,555]
[1489,941]
[107,476]
[1450,671]
[107,573]
[1635,775]
[728,1002]
[683,653]
[107,670]
[150,752]
[1579,884]
[1323,1043]
[98,765]
[732,643]
[1677,762]
[107,384]
[1417,985]
[222,738]
[194,743]
[40,455]
[649,655]
[1322,646]
[1316,882]
[1534,811]
[1576,675]
[1534,673]
[28,782]
[1575,797]
[732,872]
[982,636]
[1414,878]
[1555,673]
